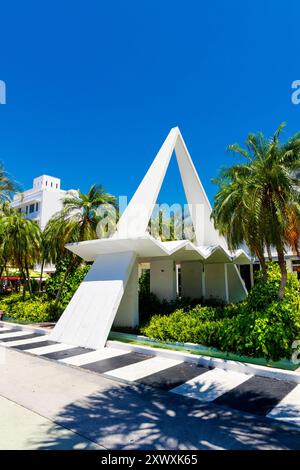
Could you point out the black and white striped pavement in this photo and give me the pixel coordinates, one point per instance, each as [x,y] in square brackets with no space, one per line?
[262,396]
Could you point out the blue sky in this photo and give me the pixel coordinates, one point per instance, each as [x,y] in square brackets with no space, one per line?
[94,87]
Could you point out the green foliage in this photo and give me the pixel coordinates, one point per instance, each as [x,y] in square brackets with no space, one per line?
[260,326]
[33,309]
[72,282]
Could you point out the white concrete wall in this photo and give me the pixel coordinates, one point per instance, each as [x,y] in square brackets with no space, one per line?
[51,203]
[236,286]
[163,279]
[191,279]
[89,316]
[128,311]
[215,281]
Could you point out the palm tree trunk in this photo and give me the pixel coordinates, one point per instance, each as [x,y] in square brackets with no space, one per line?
[41,275]
[28,279]
[263,265]
[283,270]
[269,252]
[71,266]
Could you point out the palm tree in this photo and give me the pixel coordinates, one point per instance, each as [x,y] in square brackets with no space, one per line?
[20,242]
[7,185]
[268,196]
[76,222]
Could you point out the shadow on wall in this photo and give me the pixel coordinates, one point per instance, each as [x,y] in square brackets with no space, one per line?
[137,417]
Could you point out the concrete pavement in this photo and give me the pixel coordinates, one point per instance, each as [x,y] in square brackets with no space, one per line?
[115,415]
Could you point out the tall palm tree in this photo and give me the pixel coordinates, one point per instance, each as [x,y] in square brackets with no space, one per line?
[7,185]
[20,242]
[269,195]
[76,222]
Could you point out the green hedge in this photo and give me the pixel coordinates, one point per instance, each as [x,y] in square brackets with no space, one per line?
[34,309]
[260,326]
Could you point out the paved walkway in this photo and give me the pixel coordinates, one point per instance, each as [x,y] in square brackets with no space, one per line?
[22,429]
[117,415]
[262,396]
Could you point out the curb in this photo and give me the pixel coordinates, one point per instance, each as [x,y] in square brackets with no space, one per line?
[242,367]
[18,327]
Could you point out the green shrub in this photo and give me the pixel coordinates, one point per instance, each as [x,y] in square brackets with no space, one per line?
[34,309]
[259,326]
[72,282]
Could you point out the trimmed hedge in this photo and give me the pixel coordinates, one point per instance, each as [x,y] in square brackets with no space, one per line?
[34,309]
[260,326]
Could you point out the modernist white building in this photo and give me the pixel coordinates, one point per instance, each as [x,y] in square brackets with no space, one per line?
[42,201]
[109,293]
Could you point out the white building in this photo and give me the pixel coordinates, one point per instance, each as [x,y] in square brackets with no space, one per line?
[42,201]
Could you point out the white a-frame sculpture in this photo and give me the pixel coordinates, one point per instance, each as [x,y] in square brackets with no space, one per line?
[109,293]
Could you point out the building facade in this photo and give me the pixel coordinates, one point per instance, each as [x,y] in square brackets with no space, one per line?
[42,201]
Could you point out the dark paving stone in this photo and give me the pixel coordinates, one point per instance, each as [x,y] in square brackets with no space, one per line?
[258,395]
[16,338]
[67,353]
[24,347]
[173,376]
[6,331]
[115,362]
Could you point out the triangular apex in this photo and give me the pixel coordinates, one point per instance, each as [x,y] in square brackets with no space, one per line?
[135,218]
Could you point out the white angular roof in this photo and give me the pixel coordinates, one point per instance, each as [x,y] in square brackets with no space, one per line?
[132,235]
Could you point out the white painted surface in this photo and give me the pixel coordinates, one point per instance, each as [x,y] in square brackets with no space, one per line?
[4,328]
[215,281]
[191,279]
[143,368]
[128,311]
[211,385]
[88,318]
[14,333]
[49,349]
[236,286]
[288,410]
[47,194]
[93,356]
[20,342]
[163,279]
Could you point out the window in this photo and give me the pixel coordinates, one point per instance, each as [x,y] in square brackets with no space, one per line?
[56,185]
[51,185]
[26,209]
[31,208]
[37,206]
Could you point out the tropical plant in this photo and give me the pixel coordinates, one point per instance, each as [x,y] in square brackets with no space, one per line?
[20,242]
[258,202]
[7,185]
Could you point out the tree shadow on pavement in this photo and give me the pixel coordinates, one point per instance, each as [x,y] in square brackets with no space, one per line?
[137,417]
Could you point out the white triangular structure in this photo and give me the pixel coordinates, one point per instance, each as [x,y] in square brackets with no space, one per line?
[109,293]
[139,210]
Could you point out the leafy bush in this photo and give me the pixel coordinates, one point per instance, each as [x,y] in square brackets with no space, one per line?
[34,309]
[72,282]
[259,326]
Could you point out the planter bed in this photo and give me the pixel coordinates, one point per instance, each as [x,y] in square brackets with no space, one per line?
[200,350]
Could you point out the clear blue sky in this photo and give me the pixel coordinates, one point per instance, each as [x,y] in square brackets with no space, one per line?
[93,87]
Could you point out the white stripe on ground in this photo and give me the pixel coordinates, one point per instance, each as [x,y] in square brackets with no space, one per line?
[143,368]
[20,342]
[288,409]
[15,333]
[5,329]
[211,385]
[93,356]
[50,349]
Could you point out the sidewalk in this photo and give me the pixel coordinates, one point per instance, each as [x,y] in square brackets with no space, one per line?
[22,429]
[115,415]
